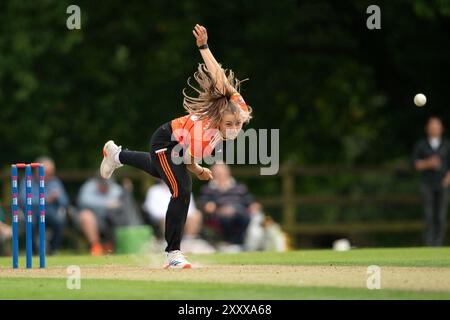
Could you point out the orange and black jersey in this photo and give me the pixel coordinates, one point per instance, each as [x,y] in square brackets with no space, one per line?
[195,135]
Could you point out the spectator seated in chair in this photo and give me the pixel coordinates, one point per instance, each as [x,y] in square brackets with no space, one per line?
[227,207]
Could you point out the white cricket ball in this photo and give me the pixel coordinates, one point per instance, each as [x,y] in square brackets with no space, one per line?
[341,245]
[420,100]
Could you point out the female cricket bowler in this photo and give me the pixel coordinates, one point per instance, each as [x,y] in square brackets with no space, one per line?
[216,114]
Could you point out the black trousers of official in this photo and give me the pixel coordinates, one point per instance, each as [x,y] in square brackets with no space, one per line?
[159,163]
[435,213]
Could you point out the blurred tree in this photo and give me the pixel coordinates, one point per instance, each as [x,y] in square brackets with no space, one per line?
[338,91]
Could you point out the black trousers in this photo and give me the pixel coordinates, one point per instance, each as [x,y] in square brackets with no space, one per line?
[160,164]
[435,212]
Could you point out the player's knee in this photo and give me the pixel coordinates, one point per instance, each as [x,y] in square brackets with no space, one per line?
[183,192]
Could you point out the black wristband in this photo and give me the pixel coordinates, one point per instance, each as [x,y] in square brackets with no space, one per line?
[204,46]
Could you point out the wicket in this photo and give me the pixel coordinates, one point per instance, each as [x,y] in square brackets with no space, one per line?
[28,214]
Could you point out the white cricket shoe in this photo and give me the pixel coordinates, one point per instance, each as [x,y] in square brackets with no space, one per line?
[109,163]
[176,260]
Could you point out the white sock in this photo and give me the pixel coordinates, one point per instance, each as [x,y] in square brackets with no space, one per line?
[116,158]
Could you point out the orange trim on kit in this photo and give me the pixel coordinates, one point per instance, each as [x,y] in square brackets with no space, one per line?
[166,167]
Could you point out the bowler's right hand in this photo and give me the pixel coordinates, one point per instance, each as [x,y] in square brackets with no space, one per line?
[200,34]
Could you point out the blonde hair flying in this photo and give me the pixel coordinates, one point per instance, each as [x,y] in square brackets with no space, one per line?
[211,103]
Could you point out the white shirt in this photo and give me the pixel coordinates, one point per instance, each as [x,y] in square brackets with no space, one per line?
[157,200]
[434,142]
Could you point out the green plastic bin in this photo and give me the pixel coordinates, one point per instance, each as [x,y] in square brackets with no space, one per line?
[133,239]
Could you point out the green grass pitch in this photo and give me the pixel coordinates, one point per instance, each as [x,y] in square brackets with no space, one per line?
[415,273]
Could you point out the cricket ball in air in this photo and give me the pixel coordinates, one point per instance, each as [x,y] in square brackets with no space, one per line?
[420,100]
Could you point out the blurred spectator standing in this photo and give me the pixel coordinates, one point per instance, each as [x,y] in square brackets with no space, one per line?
[155,205]
[431,157]
[56,201]
[100,204]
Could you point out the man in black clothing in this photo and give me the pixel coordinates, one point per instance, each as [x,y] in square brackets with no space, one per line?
[432,159]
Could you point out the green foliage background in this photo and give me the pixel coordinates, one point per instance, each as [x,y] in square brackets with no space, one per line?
[339,92]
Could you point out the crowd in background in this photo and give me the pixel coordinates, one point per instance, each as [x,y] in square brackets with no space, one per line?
[223,217]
